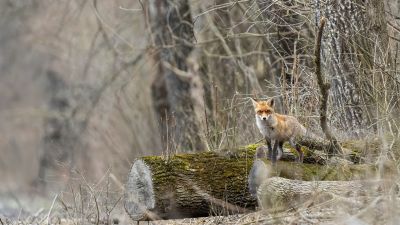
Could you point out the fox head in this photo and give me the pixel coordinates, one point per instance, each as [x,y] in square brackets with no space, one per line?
[264,109]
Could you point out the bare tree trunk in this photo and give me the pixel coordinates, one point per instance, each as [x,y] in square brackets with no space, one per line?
[376,64]
[340,59]
[161,106]
[350,47]
[172,34]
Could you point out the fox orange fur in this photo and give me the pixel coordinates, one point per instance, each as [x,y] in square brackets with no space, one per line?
[278,128]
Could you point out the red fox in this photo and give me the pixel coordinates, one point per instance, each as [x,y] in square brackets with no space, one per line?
[278,128]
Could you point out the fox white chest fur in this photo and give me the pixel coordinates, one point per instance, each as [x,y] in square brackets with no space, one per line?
[264,127]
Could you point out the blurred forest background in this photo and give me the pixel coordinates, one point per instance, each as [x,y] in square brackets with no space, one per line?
[88,85]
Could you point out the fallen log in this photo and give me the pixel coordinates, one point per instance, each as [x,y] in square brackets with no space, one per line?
[189,185]
[262,169]
[192,185]
[277,193]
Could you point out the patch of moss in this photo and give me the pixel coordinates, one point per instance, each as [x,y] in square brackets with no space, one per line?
[305,150]
[308,172]
[252,147]
[220,176]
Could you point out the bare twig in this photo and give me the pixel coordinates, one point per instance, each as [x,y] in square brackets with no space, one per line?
[51,208]
[324,89]
[97,210]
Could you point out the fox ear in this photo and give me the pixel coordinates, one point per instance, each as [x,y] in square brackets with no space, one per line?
[271,102]
[255,103]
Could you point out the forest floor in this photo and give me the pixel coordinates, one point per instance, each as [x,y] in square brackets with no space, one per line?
[377,210]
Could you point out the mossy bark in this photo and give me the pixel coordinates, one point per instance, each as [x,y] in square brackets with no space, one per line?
[307,172]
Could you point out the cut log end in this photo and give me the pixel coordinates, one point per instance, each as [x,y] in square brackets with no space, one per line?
[258,174]
[139,198]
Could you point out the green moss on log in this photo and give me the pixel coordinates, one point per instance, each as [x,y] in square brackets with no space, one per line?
[193,182]
[304,171]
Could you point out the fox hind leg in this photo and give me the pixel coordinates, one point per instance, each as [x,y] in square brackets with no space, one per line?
[298,149]
[280,150]
[301,155]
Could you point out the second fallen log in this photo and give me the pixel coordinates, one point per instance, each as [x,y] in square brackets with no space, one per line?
[277,193]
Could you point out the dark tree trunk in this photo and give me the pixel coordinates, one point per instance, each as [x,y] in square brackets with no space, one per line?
[61,134]
[287,45]
[161,106]
[172,34]
[69,110]
[287,23]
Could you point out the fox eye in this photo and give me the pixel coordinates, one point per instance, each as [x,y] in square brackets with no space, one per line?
[268,111]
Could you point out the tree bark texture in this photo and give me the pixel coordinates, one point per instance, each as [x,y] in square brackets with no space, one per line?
[172,35]
[344,20]
[350,45]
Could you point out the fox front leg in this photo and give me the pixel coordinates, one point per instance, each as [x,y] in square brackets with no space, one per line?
[269,145]
[275,152]
[298,149]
